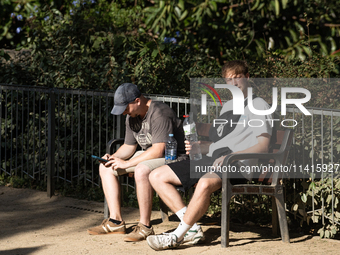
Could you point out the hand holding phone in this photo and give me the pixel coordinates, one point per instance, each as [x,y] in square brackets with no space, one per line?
[101,160]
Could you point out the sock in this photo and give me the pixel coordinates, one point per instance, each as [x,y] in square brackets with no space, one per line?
[146,226]
[181,230]
[180,215]
[117,222]
[194,227]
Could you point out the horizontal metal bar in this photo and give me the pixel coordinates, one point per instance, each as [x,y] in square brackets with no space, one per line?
[90,181]
[314,211]
[4,170]
[84,92]
[173,99]
[332,219]
[25,88]
[57,90]
[64,179]
[127,185]
[315,110]
[29,175]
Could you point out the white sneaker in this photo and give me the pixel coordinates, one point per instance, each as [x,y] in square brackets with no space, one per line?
[194,236]
[163,242]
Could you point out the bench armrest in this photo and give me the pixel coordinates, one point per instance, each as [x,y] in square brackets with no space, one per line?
[279,158]
[110,145]
[241,156]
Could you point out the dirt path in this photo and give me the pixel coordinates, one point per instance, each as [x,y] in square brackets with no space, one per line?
[32,223]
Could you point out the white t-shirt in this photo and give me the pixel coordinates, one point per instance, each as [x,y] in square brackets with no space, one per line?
[245,134]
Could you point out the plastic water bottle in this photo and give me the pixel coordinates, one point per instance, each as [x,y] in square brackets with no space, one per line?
[171,150]
[190,133]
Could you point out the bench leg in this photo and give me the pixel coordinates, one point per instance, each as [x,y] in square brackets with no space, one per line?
[225,217]
[275,219]
[282,217]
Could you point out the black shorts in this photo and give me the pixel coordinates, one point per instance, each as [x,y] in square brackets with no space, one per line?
[182,170]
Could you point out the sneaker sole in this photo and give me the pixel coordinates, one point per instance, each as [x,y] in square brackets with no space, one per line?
[195,241]
[133,239]
[130,239]
[154,248]
[161,249]
[108,233]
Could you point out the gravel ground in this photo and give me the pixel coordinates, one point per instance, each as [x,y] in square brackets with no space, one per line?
[32,223]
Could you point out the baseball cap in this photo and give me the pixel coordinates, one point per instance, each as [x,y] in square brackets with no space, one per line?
[125,94]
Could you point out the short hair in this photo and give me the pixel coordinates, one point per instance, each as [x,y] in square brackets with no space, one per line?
[236,66]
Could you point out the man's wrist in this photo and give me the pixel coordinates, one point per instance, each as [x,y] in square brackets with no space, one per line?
[128,164]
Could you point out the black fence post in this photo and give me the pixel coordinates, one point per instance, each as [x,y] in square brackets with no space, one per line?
[51,145]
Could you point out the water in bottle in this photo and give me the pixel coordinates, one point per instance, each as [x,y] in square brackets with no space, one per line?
[190,132]
[171,150]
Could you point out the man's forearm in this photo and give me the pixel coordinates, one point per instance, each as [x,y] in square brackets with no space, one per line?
[152,153]
[125,151]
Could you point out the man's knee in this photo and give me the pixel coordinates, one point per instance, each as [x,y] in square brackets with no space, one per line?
[142,172]
[160,175]
[208,185]
[103,171]
[155,176]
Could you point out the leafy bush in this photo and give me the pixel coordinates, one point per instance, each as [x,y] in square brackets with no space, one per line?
[90,51]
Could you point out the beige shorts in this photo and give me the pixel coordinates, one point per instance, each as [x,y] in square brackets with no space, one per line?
[151,163]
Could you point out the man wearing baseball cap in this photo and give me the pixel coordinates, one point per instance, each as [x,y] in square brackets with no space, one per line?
[148,124]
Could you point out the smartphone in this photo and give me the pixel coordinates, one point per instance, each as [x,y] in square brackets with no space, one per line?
[100,159]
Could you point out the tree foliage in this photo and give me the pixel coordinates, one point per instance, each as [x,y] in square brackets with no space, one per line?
[222,29]
[98,48]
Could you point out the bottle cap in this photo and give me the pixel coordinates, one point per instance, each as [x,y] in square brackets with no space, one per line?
[185,116]
[171,134]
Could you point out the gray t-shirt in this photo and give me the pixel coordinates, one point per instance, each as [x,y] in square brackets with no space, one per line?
[155,127]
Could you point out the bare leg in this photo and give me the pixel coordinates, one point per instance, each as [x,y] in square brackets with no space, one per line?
[163,180]
[111,187]
[196,208]
[144,193]
[201,199]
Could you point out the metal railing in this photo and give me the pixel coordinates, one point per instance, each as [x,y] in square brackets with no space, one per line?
[50,134]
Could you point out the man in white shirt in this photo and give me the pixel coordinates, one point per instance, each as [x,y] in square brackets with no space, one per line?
[165,179]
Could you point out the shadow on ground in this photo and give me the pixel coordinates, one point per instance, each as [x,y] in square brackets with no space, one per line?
[25,210]
[19,251]
[54,222]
